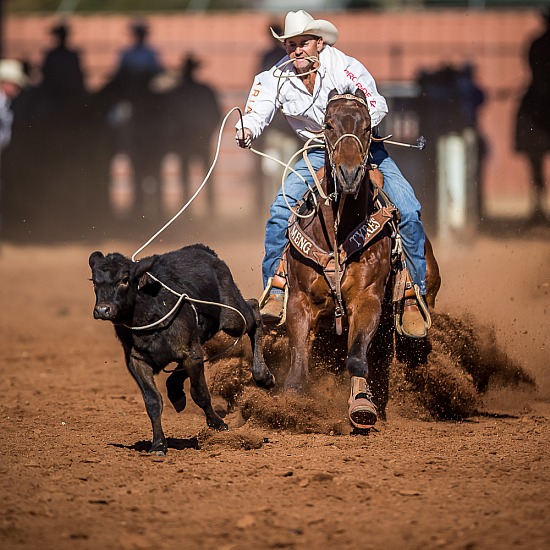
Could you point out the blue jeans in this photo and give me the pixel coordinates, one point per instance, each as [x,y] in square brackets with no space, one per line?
[395,185]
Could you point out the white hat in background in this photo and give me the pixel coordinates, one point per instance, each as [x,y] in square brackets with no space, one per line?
[300,22]
[12,71]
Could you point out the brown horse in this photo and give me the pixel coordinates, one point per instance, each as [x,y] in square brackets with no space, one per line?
[339,265]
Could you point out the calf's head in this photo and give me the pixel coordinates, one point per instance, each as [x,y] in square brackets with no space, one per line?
[116,281]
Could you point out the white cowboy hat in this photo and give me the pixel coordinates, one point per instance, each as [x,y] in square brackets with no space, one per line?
[12,71]
[300,22]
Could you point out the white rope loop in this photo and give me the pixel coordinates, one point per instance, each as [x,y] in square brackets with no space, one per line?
[182,297]
[186,205]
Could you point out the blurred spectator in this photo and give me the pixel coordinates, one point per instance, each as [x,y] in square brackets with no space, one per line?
[132,111]
[470,95]
[449,106]
[140,57]
[533,118]
[194,114]
[62,76]
[12,80]
[471,98]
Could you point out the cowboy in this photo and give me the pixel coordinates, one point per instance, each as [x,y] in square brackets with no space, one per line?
[299,85]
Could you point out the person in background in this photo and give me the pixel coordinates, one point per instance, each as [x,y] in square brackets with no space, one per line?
[299,86]
[12,80]
[140,57]
[532,137]
[62,75]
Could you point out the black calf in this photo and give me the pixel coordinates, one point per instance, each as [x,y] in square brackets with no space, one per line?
[130,298]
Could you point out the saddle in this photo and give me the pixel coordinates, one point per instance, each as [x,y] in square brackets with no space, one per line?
[382,222]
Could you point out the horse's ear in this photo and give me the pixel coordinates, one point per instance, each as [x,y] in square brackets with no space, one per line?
[332,93]
[360,93]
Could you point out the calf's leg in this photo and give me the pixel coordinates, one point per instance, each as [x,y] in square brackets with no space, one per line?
[174,387]
[143,375]
[260,371]
[194,365]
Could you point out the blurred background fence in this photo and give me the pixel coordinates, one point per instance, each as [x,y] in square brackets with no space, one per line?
[396,47]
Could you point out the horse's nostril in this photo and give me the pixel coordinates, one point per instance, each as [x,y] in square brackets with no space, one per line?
[349,177]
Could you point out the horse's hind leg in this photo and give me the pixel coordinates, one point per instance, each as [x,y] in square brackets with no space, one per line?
[433,278]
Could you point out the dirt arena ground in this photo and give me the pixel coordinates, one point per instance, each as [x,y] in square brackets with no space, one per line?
[75,473]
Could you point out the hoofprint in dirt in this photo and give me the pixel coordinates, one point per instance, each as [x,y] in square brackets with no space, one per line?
[75,473]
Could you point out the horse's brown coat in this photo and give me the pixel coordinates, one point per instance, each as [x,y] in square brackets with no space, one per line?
[364,283]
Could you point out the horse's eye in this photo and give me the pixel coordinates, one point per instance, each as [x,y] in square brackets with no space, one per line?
[328,126]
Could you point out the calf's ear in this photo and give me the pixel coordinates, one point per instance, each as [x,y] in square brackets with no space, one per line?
[94,257]
[139,268]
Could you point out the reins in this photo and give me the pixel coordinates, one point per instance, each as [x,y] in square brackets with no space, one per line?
[339,309]
[364,151]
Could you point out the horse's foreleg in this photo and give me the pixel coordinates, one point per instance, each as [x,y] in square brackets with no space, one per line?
[364,319]
[298,328]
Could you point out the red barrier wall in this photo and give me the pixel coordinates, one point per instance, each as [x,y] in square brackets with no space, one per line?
[394,46]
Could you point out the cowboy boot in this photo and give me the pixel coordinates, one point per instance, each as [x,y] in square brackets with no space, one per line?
[413,323]
[272,304]
[272,310]
[362,412]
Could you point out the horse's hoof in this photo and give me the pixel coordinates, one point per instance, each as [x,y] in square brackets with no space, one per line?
[294,390]
[158,452]
[266,384]
[362,413]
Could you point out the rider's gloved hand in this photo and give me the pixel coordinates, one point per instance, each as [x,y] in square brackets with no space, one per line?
[244,138]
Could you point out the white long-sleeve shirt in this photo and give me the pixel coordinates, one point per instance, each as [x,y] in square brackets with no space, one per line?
[281,89]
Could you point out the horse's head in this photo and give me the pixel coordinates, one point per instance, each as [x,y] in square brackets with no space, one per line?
[347,132]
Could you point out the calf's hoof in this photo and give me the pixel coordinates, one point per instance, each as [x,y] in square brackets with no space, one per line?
[179,404]
[158,449]
[217,424]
